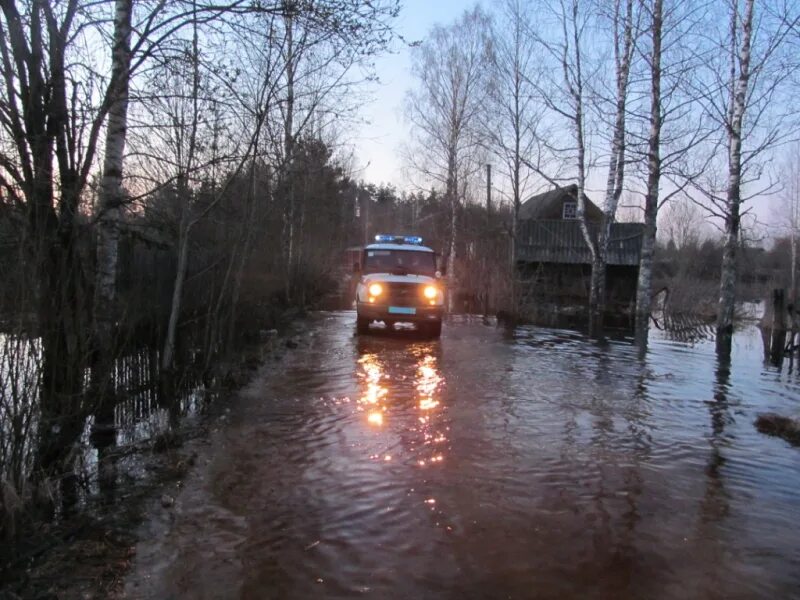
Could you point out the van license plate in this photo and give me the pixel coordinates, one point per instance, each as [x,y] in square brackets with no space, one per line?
[402,310]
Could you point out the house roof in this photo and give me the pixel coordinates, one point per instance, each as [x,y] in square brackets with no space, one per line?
[544,236]
[544,205]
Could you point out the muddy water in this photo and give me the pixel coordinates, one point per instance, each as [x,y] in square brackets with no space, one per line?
[489,465]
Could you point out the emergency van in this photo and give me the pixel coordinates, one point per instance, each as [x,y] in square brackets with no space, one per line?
[398,281]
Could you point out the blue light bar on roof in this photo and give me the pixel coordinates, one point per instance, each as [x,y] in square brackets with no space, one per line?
[383,238]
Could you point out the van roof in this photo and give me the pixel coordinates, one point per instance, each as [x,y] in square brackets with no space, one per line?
[404,247]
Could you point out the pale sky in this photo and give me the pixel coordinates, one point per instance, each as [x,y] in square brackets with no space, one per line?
[378,146]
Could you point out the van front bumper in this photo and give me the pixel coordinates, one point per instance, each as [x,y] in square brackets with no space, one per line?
[374,312]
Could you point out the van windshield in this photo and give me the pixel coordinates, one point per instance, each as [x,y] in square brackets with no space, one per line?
[400,262]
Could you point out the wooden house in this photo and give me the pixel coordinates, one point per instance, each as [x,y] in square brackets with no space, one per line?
[554,261]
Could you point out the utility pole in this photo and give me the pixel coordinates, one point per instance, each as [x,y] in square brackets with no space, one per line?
[488,193]
[365,213]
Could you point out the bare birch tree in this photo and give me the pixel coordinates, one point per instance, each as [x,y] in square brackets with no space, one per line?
[578,81]
[671,125]
[451,68]
[624,32]
[158,26]
[644,285]
[738,85]
[111,199]
[745,93]
[515,127]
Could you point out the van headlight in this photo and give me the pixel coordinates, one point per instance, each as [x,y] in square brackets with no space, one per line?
[430,292]
[376,289]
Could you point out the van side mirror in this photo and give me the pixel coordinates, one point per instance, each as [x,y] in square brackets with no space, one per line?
[356,268]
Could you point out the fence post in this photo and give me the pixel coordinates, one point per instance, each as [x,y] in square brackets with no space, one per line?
[778,343]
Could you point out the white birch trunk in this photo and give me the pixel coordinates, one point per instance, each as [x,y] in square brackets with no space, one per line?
[644,285]
[574,82]
[616,167]
[738,103]
[110,199]
[576,91]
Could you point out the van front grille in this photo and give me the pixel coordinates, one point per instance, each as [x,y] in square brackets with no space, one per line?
[404,294]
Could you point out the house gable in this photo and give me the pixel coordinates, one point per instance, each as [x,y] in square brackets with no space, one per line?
[558,204]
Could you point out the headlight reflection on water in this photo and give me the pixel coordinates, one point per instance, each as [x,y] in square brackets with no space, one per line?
[374,391]
[428,383]
[424,386]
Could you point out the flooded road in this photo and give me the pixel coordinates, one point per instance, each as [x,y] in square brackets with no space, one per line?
[537,464]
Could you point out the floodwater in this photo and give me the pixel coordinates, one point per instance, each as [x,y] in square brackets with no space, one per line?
[538,464]
[141,415]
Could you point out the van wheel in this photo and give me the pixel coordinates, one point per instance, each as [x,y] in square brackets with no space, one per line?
[433,330]
[362,326]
